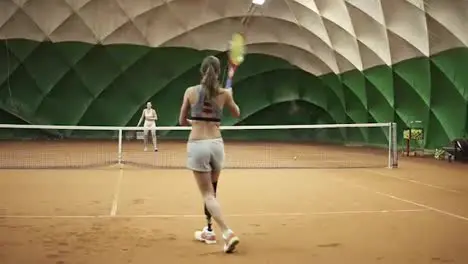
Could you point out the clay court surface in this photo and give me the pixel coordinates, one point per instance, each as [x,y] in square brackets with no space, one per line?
[417,213]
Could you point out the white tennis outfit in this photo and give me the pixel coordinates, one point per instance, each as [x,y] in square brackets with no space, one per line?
[149,113]
[150,125]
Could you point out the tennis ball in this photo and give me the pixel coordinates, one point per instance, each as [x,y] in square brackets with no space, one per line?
[295,158]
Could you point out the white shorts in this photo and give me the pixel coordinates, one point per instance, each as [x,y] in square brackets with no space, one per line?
[149,125]
[205,155]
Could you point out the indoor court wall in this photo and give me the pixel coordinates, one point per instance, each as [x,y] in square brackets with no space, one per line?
[100,61]
[109,85]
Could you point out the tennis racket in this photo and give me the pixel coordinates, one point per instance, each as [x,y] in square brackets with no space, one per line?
[237,47]
[236,56]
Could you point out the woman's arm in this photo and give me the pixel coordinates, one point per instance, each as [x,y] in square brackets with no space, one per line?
[155,115]
[184,110]
[231,104]
[141,118]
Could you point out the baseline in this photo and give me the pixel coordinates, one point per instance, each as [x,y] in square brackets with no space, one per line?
[359,212]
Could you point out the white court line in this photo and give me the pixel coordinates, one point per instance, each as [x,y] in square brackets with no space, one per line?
[115,200]
[413,181]
[201,216]
[405,200]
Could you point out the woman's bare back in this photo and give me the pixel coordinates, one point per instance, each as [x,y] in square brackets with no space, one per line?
[206,129]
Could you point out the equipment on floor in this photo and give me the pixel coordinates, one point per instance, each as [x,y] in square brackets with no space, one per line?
[457,151]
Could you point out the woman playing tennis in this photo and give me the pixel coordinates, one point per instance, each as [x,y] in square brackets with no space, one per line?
[205,147]
[150,117]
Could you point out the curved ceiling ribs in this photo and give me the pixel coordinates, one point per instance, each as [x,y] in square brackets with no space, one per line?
[342,35]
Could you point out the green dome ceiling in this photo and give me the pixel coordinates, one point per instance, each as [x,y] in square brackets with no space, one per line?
[341,61]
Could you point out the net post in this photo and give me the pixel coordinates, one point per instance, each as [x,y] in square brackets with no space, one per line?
[120,147]
[392,147]
[390,152]
[395,145]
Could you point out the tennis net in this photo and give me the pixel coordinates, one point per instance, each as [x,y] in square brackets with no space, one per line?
[271,146]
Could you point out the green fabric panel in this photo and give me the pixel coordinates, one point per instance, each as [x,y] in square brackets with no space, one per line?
[335,98]
[453,63]
[125,56]
[334,83]
[436,135]
[381,78]
[46,66]
[255,64]
[258,92]
[316,92]
[66,103]
[288,116]
[281,86]
[416,73]
[97,70]
[466,123]
[380,101]
[334,107]
[378,107]
[72,52]
[8,118]
[408,102]
[355,81]
[25,94]
[379,111]
[401,126]
[8,64]
[20,48]
[312,89]
[409,106]
[356,104]
[376,136]
[115,105]
[447,106]
[129,90]
[354,108]
[449,96]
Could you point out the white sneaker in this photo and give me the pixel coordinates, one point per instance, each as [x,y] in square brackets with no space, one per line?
[230,242]
[209,237]
[145,149]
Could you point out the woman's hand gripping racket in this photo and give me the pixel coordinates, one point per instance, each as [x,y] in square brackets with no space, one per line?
[236,56]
